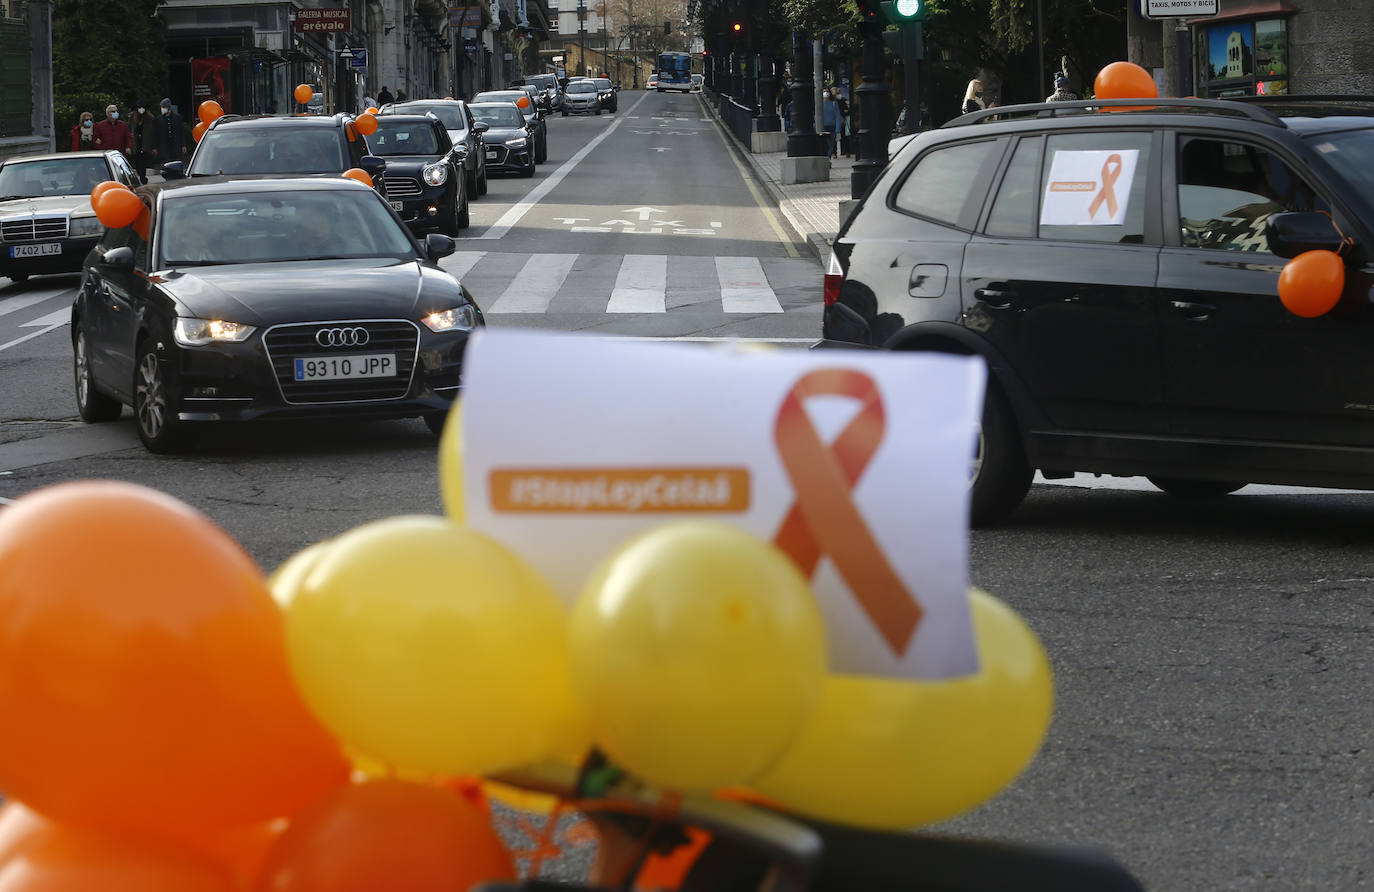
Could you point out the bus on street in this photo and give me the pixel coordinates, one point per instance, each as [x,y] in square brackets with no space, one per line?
[675,72]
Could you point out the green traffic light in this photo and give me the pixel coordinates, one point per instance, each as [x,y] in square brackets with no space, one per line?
[908,9]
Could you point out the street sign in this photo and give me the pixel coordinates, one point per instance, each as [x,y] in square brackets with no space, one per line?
[1175,9]
[359,59]
[322,20]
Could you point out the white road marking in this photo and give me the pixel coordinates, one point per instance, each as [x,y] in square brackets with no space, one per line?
[460,263]
[53,319]
[534,287]
[743,286]
[662,149]
[641,286]
[29,337]
[644,212]
[536,195]
[14,304]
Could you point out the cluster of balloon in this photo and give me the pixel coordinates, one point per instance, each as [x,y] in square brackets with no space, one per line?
[1311,284]
[1125,80]
[116,206]
[209,112]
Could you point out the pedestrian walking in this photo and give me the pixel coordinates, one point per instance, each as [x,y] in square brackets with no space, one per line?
[169,135]
[83,134]
[400,95]
[843,104]
[384,97]
[113,133]
[787,110]
[1061,93]
[142,124]
[830,116]
[973,97]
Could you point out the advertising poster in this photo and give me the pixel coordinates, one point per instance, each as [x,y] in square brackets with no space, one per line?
[210,80]
[1231,51]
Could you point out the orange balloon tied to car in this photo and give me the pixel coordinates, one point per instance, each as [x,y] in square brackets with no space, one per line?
[304,93]
[366,124]
[101,188]
[209,110]
[1310,284]
[155,702]
[357,173]
[199,130]
[117,208]
[1125,80]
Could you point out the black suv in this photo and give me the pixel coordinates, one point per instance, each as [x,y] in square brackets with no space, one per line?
[1119,274]
[250,146]
[424,172]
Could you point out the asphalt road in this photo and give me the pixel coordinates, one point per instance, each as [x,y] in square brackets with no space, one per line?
[1213,660]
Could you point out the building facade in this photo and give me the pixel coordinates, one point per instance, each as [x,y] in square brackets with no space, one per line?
[26,89]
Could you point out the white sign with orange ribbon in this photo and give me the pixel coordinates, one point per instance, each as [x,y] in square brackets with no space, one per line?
[1089,188]
[854,463]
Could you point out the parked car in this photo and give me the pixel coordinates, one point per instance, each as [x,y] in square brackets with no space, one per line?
[608,93]
[46,221]
[553,91]
[652,83]
[281,297]
[458,121]
[264,144]
[510,141]
[1119,274]
[531,114]
[583,98]
[424,173]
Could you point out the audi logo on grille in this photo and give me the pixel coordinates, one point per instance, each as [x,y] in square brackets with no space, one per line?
[341,337]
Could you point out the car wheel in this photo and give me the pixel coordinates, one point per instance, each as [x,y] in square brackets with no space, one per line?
[1001,478]
[482,181]
[464,217]
[565,112]
[19,277]
[435,422]
[470,184]
[528,171]
[1195,489]
[92,405]
[154,404]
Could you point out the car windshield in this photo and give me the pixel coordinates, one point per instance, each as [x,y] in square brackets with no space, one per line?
[499,115]
[451,116]
[582,87]
[1351,152]
[403,138]
[543,81]
[274,149]
[60,176]
[264,227]
[603,83]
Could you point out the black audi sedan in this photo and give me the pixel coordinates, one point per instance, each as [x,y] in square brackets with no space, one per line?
[510,138]
[424,175]
[462,132]
[285,297]
[534,117]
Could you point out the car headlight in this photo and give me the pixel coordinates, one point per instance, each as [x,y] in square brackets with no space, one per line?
[190,332]
[85,226]
[462,318]
[436,174]
[518,142]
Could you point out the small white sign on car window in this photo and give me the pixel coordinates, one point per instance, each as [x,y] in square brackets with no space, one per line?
[1089,187]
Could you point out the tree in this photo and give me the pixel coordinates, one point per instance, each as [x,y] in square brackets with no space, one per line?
[114,51]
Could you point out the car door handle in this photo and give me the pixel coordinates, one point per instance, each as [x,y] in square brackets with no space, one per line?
[1190,310]
[996,299]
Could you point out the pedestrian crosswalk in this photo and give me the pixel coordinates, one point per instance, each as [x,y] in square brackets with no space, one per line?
[636,283]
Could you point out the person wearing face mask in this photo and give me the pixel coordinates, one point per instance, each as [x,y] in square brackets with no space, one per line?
[113,133]
[143,139]
[83,134]
[973,97]
[169,135]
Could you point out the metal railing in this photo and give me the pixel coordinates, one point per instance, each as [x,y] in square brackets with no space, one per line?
[739,118]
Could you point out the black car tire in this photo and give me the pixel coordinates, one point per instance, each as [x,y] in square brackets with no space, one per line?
[470,184]
[565,112]
[154,395]
[464,216]
[91,404]
[542,151]
[599,110]
[435,422]
[1001,477]
[482,181]
[1195,489]
[528,171]
[19,277]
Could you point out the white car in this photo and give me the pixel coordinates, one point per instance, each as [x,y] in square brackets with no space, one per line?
[698,80]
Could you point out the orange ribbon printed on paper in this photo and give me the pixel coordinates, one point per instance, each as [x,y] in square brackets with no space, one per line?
[824,518]
[1108,191]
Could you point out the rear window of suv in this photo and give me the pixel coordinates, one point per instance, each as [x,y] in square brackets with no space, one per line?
[942,183]
[276,149]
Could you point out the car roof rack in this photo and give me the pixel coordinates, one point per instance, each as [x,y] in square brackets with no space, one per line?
[1313,105]
[1078,107]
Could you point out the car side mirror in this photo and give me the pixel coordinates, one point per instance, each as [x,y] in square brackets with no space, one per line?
[174,170]
[119,260]
[1291,234]
[375,165]
[481,126]
[437,246]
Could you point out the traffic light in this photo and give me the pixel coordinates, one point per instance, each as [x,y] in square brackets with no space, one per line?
[905,40]
[899,11]
[737,27]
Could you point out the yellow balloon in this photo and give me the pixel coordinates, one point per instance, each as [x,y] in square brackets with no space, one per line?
[698,654]
[451,463]
[287,578]
[892,754]
[432,648]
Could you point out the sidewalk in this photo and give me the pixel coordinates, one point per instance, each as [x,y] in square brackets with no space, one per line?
[812,209]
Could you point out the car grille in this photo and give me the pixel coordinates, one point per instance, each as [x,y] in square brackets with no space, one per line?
[401,187]
[32,229]
[285,343]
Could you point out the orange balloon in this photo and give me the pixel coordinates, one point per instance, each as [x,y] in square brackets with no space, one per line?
[209,110]
[139,700]
[523,102]
[366,124]
[1125,80]
[1311,283]
[52,856]
[373,110]
[386,834]
[304,93]
[101,188]
[199,130]
[117,208]
[243,851]
[142,222]
[357,173]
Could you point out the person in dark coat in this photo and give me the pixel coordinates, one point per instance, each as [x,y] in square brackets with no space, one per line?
[384,97]
[169,135]
[142,124]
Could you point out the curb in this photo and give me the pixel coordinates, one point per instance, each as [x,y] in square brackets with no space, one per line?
[819,244]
